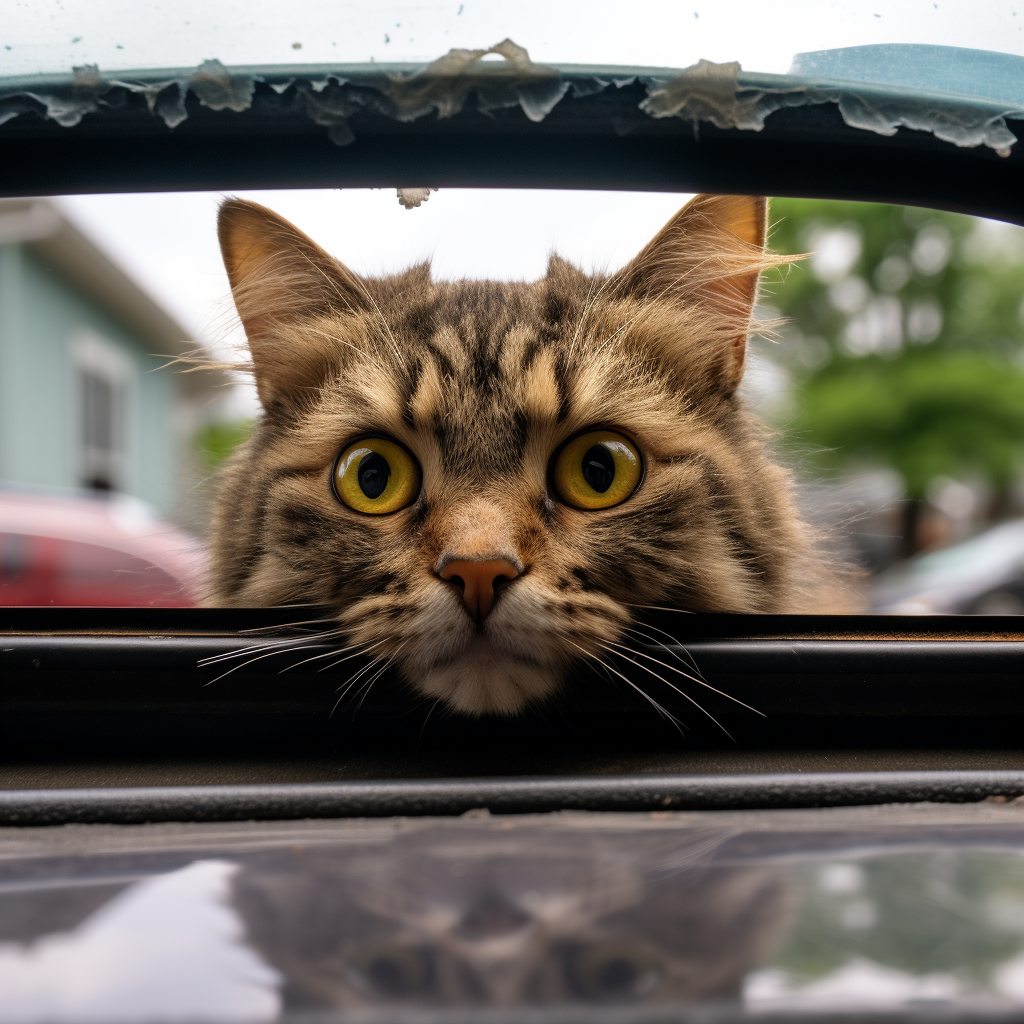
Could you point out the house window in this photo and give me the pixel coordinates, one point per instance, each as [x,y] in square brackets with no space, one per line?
[102,374]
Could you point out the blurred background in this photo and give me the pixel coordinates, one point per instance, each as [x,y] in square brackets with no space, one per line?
[894,379]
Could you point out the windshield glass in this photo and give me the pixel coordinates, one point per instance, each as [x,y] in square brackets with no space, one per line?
[53,36]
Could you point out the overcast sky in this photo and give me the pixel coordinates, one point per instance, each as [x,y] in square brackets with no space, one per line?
[168,242]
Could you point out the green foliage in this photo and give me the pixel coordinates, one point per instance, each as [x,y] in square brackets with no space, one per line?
[917,912]
[906,342]
[926,414]
[216,441]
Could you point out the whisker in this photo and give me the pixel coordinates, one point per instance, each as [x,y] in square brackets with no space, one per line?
[664,712]
[285,625]
[353,679]
[691,663]
[423,728]
[662,679]
[274,645]
[388,658]
[259,657]
[349,657]
[658,608]
[693,679]
[357,648]
[658,661]
[349,683]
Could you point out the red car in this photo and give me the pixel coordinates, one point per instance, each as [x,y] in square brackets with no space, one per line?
[108,551]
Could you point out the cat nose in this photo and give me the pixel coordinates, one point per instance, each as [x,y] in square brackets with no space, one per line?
[479,580]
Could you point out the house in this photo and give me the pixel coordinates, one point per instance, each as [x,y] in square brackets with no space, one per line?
[86,398]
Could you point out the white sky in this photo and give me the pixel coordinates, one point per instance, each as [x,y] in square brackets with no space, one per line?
[168,242]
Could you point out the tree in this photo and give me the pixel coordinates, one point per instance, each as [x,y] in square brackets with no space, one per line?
[905,342]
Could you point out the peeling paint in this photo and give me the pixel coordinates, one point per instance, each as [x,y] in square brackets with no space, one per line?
[86,88]
[445,84]
[331,107]
[709,92]
[719,94]
[218,89]
[963,124]
[410,198]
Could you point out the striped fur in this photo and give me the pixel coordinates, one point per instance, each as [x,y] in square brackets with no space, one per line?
[483,381]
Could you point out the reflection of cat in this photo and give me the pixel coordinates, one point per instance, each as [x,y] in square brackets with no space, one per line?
[480,925]
[485,480]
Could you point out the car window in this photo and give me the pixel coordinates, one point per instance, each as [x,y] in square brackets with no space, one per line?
[888,367]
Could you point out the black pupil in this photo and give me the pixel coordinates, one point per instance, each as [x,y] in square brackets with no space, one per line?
[374,473]
[598,468]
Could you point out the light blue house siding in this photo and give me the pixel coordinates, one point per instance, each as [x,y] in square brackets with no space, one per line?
[83,398]
[42,319]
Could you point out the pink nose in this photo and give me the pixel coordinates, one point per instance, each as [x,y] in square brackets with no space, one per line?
[478,581]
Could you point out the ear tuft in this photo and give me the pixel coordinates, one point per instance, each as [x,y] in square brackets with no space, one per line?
[710,254]
[560,271]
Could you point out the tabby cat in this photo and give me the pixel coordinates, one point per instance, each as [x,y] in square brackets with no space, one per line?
[487,482]
[510,915]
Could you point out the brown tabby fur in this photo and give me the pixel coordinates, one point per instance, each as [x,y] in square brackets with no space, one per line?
[483,381]
[464,917]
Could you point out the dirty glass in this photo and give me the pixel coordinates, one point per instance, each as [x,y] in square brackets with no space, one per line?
[876,910]
[55,35]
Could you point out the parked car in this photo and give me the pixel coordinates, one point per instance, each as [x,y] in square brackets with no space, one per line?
[981,576]
[93,551]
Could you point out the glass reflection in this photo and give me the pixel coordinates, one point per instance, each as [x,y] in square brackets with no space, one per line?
[506,916]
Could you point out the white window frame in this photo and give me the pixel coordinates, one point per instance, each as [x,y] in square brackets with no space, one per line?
[95,355]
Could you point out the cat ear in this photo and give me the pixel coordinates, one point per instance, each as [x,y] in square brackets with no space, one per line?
[280,278]
[711,253]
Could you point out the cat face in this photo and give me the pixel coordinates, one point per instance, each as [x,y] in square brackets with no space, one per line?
[517,926]
[487,481]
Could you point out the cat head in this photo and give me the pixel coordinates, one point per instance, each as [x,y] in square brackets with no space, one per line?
[505,921]
[487,481]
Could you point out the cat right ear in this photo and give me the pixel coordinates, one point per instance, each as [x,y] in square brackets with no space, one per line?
[280,280]
[709,255]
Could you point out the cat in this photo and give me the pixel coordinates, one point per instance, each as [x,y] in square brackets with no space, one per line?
[488,482]
[512,915]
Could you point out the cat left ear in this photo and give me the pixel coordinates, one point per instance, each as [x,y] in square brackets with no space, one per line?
[711,253]
[281,278]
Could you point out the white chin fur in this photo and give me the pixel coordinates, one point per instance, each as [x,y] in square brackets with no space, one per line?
[484,683]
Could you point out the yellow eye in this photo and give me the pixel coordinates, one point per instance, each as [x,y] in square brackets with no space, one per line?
[376,475]
[598,469]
